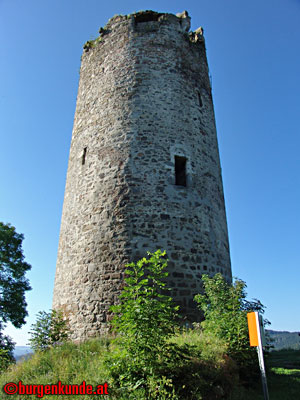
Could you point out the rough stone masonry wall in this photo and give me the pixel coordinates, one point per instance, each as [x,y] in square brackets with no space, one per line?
[144,97]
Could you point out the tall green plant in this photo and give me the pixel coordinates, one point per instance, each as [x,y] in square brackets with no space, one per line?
[144,320]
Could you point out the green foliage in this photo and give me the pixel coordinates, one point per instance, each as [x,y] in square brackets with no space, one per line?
[92,43]
[6,358]
[212,378]
[283,378]
[69,363]
[13,283]
[204,344]
[49,330]
[144,320]
[192,366]
[145,315]
[149,358]
[286,358]
[225,311]
[13,286]
[188,376]
[202,370]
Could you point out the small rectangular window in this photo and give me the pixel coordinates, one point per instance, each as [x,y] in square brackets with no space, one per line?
[83,156]
[180,171]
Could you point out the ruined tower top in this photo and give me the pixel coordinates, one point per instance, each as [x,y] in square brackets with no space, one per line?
[148,21]
[144,170]
[150,16]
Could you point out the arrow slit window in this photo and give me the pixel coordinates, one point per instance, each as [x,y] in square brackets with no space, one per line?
[200,100]
[180,171]
[83,156]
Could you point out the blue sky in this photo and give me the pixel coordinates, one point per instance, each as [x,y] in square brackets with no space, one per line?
[254,59]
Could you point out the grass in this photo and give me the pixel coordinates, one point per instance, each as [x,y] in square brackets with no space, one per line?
[207,372]
[283,377]
[69,363]
[73,363]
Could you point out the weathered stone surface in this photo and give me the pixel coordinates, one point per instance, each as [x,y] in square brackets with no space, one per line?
[144,97]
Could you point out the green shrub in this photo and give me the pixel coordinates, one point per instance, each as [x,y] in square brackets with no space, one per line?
[50,329]
[5,360]
[150,359]
[144,320]
[6,350]
[225,311]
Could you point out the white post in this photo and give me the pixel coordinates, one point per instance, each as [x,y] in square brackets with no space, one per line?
[261,359]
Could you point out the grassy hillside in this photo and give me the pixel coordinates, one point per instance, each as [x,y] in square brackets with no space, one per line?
[72,364]
[69,363]
[280,340]
[211,375]
[284,376]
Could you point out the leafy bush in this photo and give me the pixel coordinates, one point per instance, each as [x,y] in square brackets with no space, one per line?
[144,319]
[6,350]
[50,329]
[151,358]
[5,359]
[225,311]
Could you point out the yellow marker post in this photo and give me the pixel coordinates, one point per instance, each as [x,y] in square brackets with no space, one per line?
[252,329]
[255,326]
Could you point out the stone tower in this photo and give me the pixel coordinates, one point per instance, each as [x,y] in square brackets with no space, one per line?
[144,170]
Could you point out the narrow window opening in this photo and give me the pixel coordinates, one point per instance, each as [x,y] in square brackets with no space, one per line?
[83,156]
[200,100]
[180,171]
